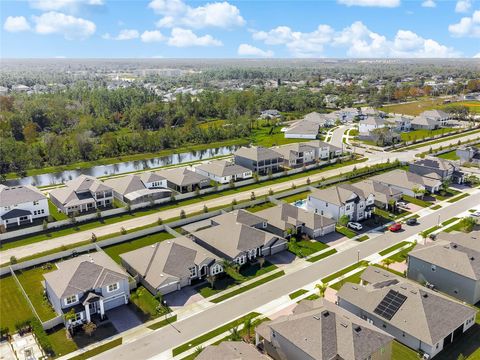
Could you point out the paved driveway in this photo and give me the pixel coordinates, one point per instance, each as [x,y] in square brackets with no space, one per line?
[185,296]
[123,318]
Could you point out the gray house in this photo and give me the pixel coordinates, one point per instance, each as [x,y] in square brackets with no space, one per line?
[136,189]
[320,330]
[303,129]
[258,159]
[451,264]
[297,155]
[419,318]
[469,154]
[383,194]
[169,265]
[437,168]
[231,350]
[184,180]
[223,171]
[406,182]
[88,285]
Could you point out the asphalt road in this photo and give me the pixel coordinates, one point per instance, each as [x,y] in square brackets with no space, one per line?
[211,318]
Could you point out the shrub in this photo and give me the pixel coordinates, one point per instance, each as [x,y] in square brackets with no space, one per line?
[183,215]
[41,335]
[205,208]
[93,238]
[159,221]
[123,231]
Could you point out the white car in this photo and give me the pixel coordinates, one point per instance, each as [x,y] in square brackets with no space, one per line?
[402,204]
[354,225]
[476,214]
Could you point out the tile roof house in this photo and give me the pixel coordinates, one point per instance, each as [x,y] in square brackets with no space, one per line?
[82,194]
[184,180]
[320,330]
[451,264]
[223,171]
[435,167]
[171,264]
[139,188]
[237,242]
[303,129]
[283,217]
[231,350]
[419,318]
[21,204]
[87,285]
[259,159]
[340,200]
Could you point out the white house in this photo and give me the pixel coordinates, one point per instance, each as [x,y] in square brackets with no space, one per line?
[369,124]
[223,171]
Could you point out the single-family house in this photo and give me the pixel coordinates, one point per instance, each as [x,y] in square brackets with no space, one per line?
[231,350]
[384,195]
[405,181]
[469,154]
[446,170]
[171,264]
[82,194]
[259,159]
[320,330]
[270,114]
[88,285]
[323,120]
[21,204]
[139,188]
[297,154]
[303,129]
[240,216]
[419,318]
[223,171]
[451,264]
[440,117]
[284,218]
[325,151]
[366,125]
[348,114]
[368,111]
[238,242]
[340,200]
[423,123]
[184,180]
[400,123]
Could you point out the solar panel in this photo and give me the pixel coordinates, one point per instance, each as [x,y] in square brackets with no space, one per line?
[390,304]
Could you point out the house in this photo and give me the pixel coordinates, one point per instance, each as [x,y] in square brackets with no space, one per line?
[223,171]
[237,242]
[21,204]
[281,218]
[418,317]
[82,194]
[440,117]
[184,180]
[139,188]
[170,265]
[367,111]
[383,194]
[431,165]
[348,114]
[407,182]
[231,350]
[270,114]
[469,154]
[258,159]
[241,217]
[340,200]
[366,125]
[400,123]
[303,129]
[325,151]
[297,154]
[423,123]
[323,120]
[451,264]
[320,330]
[87,285]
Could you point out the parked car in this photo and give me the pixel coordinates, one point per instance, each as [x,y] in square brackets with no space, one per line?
[412,221]
[475,214]
[395,227]
[402,204]
[354,225]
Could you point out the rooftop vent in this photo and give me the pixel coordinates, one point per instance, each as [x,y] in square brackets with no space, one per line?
[345,325]
[357,329]
[472,258]
[403,287]
[326,314]
[425,296]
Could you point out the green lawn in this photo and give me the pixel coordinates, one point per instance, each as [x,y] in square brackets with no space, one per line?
[98,350]
[423,133]
[305,247]
[355,279]
[460,197]
[401,352]
[31,280]
[60,343]
[346,231]
[414,107]
[260,207]
[390,215]
[339,273]
[436,207]
[163,323]
[444,195]
[438,141]
[192,344]
[392,248]
[451,155]
[449,221]
[402,255]
[13,305]
[427,232]
[417,201]
[57,215]
[292,198]
[362,238]
[146,302]
[114,251]
[271,136]
[297,293]
[322,255]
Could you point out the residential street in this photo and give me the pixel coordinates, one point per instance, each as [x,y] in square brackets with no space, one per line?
[181,332]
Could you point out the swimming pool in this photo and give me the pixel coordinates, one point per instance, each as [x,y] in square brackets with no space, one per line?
[302,204]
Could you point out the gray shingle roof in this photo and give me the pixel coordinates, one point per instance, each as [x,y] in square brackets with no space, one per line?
[304,127]
[240,216]
[20,194]
[257,153]
[435,163]
[15,213]
[182,176]
[400,178]
[231,350]
[337,195]
[223,168]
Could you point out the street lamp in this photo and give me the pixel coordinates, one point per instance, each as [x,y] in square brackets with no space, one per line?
[358,256]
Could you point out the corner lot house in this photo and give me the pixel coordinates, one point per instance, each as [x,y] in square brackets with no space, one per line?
[169,265]
[419,318]
[369,124]
[303,129]
[451,264]
[223,171]
[439,116]
[405,182]
[341,200]
[136,189]
[469,154]
[238,242]
[297,155]
[434,167]
[325,151]
[320,330]
[89,284]
[383,194]
[283,217]
[231,350]
[21,204]
[85,193]
[184,180]
[258,159]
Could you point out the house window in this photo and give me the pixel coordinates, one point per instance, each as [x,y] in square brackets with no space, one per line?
[216,269]
[35,203]
[71,299]
[264,224]
[112,287]
[434,267]
[193,271]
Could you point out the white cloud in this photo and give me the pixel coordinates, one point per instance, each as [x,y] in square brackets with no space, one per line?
[185,38]
[467,27]
[372,3]
[358,40]
[152,36]
[429,4]
[125,34]
[249,50]
[48,5]
[177,13]
[16,24]
[69,26]
[477,56]
[463,6]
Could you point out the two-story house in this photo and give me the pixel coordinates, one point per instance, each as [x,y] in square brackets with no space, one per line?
[439,167]
[21,204]
[400,123]
[297,154]
[341,200]
[469,154]
[82,194]
[370,123]
[223,171]
[170,265]
[258,159]
[86,286]
[325,151]
[407,182]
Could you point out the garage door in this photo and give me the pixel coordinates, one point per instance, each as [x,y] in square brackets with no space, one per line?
[113,303]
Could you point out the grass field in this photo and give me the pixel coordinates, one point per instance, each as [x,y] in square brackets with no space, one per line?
[297,293]
[98,350]
[57,215]
[451,155]
[13,307]
[305,247]
[146,302]
[401,352]
[260,207]
[423,133]
[114,251]
[421,105]
[292,198]
[265,136]
[322,255]
[60,343]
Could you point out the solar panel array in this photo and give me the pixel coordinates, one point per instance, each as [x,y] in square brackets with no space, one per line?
[390,304]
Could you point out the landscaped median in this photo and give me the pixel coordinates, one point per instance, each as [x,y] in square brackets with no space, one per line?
[163,322]
[321,256]
[98,350]
[297,293]
[344,271]
[457,198]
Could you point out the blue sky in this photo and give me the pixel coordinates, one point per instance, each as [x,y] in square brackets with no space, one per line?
[243,29]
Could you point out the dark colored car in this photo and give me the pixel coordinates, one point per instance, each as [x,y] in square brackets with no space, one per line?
[412,221]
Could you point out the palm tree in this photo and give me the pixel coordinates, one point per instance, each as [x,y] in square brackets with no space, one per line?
[322,288]
[235,334]
[89,328]
[211,280]
[198,350]
[387,262]
[247,326]
[261,261]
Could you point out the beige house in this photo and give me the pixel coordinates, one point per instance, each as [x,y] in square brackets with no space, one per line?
[231,350]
